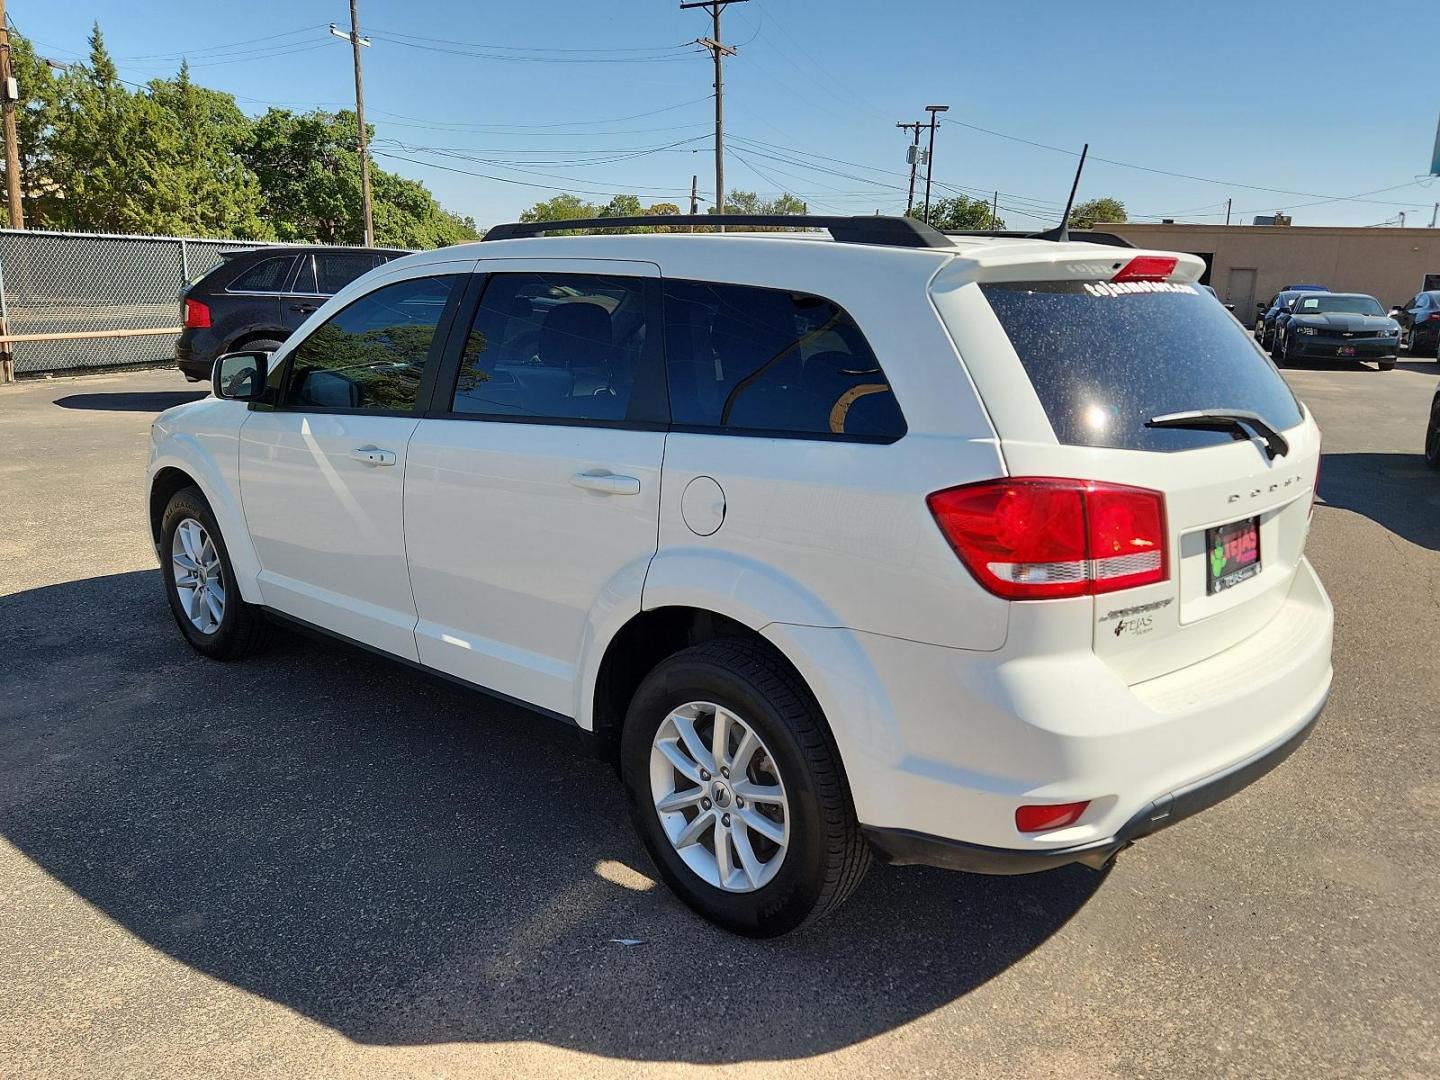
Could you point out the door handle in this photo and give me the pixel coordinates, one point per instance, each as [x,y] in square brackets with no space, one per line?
[606,483]
[304,309]
[371,456]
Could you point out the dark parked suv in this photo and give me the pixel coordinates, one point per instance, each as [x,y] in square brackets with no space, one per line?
[256,298]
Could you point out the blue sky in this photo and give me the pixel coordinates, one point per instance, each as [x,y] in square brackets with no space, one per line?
[602,97]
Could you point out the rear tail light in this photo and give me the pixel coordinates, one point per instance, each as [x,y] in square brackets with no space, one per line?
[1434,316]
[1041,538]
[1055,816]
[1147,268]
[197,315]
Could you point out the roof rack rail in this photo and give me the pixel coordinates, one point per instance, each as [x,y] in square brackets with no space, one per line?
[1085,235]
[883,231]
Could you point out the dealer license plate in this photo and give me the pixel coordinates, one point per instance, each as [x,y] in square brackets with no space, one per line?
[1232,554]
[1346,350]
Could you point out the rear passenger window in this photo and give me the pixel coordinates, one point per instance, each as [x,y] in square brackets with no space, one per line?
[373,352]
[268,275]
[336,271]
[746,359]
[558,346]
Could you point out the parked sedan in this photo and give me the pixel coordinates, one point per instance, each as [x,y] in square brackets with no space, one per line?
[1420,324]
[1277,310]
[254,299]
[1337,326]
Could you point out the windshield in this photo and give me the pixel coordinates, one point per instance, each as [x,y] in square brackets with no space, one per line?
[1106,358]
[1352,305]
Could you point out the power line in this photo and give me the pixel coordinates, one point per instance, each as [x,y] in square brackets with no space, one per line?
[484,55]
[1189,176]
[530,48]
[179,53]
[623,189]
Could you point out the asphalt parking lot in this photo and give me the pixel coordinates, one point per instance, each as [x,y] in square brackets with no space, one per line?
[313,864]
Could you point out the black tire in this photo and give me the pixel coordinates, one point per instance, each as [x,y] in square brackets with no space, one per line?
[1386,365]
[826,856]
[1277,349]
[1432,438]
[259,345]
[242,628]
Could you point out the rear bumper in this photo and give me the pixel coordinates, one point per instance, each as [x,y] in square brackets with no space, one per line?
[941,745]
[195,353]
[901,847]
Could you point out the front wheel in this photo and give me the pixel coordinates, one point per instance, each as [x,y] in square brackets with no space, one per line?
[735,786]
[200,582]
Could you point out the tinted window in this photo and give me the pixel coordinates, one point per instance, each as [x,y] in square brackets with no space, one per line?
[334,272]
[305,279]
[268,275]
[371,354]
[1106,358]
[766,360]
[553,345]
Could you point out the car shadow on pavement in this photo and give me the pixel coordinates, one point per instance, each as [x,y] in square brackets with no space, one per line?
[408,864]
[1397,491]
[152,401]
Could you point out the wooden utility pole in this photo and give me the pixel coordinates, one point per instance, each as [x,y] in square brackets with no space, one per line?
[1228,203]
[14,199]
[914,156]
[718,51]
[356,42]
[934,111]
[995,211]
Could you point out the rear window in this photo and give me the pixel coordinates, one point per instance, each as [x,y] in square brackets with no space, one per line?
[1106,358]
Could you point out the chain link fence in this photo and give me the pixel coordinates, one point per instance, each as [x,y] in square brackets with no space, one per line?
[83,283]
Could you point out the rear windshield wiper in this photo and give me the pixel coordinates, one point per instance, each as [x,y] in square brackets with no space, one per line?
[1250,424]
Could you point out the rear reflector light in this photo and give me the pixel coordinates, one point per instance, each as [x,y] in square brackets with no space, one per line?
[197,315]
[1434,316]
[1039,538]
[1147,268]
[1041,818]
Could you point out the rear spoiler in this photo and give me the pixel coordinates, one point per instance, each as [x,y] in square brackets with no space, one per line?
[1082,235]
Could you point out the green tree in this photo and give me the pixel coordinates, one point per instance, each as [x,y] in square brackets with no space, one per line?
[110,149]
[205,188]
[960,212]
[309,176]
[748,202]
[175,157]
[1097,211]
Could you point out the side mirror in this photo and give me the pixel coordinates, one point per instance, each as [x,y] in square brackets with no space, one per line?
[240,376]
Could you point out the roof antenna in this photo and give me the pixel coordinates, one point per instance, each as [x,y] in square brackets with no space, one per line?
[1061,232]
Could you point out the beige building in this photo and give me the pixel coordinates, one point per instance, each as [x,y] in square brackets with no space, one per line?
[1250,263]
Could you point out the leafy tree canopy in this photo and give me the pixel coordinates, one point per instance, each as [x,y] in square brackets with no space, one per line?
[1096,212]
[176,158]
[960,212]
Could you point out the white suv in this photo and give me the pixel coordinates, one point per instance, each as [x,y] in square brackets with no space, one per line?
[979,552]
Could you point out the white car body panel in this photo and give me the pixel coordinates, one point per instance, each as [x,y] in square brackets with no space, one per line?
[508,557]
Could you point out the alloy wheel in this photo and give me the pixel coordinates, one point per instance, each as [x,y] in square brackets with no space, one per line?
[719,797]
[199,576]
